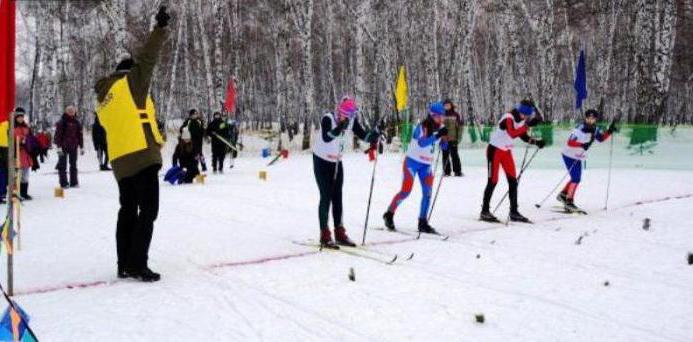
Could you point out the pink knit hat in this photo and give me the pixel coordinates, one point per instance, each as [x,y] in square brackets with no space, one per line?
[347,107]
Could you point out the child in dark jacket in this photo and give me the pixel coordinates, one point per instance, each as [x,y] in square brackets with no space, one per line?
[185,157]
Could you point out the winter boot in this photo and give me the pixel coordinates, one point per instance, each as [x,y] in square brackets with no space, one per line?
[326,239]
[342,238]
[121,272]
[487,216]
[23,192]
[515,216]
[562,197]
[424,227]
[389,218]
[145,275]
[570,207]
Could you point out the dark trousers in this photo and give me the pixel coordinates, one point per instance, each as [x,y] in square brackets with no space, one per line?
[451,152]
[139,207]
[3,182]
[43,155]
[218,161]
[62,168]
[330,178]
[102,155]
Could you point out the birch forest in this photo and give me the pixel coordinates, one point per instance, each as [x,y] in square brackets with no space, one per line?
[293,59]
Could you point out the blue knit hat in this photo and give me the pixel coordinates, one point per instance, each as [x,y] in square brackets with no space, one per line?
[525,109]
[437,109]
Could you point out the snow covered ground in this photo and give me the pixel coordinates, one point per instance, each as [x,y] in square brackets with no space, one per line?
[215,246]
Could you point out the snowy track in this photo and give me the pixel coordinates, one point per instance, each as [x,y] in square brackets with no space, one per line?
[231,273]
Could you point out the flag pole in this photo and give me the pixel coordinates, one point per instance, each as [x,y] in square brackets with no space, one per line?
[11,174]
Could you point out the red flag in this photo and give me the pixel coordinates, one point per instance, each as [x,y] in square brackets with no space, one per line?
[230,104]
[7,42]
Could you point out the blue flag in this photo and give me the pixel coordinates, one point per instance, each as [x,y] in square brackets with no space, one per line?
[580,81]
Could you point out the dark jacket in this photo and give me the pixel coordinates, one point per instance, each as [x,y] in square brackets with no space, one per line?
[184,157]
[223,129]
[453,122]
[68,133]
[197,132]
[98,135]
[139,80]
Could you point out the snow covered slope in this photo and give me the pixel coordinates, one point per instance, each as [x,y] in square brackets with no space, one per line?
[230,271]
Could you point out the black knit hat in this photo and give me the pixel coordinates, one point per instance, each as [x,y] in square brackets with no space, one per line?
[593,113]
[125,64]
[19,111]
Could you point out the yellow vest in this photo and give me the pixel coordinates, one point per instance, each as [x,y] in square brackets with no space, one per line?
[123,121]
[4,128]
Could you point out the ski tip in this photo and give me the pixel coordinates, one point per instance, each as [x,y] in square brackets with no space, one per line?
[445,237]
[411,256]
[537,206]
[393,260]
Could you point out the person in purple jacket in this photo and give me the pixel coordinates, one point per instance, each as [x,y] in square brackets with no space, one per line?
[69,140]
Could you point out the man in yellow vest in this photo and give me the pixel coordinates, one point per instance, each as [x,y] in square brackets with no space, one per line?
[126,111]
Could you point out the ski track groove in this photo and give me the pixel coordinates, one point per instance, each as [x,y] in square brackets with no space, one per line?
[295,306]
[595,317]
[79,285]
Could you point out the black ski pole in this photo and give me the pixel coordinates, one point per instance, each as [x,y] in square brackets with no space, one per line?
[370,194]
[538,205]
[435,197]
[608,180]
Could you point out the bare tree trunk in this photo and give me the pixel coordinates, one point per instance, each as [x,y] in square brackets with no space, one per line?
[47,105]
[116,12]
[209,83]
[664,50]
[218,9]
[174,65]
[644,58]
[362,20]
[302,16]
[33,84]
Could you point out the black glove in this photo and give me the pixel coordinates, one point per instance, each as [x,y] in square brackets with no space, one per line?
[534,121]
[341,126]
[441,132]
[539,143]
[162,17]
[612,128]
[373,137]
[586,146]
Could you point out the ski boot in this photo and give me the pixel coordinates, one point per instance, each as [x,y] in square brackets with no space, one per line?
[389,221]
[488,217]
[424,227]
[121,272]
[562,197]
[145,275]
[341,237]
[326,239]
[23,192]
[571,208]
[515,216]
